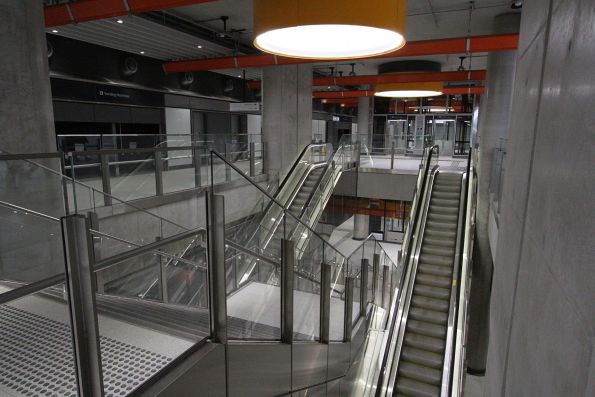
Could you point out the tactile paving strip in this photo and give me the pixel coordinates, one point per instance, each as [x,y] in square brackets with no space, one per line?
[36,359]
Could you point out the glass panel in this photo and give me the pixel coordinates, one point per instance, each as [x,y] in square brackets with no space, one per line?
[36,353]
[132,175]
[309,256]
[179,170]
[339,271]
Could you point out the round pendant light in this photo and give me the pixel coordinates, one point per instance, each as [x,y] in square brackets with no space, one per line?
[329,29]
[408,90]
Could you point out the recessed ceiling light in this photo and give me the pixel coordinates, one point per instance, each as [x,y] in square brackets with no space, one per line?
[199,46]
[54,31]
[142,52]
[239,75]
[120,21]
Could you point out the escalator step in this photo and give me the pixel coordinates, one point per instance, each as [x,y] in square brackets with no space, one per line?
[422,342]
[450,219]
[443,210]
[431,292]
[445,202]
[441,234]
[437,194]
[431,249]
[434,225]
[433,281]
[420,373]
[422,357]
[424,302]
[443,271]
[413,388]
[430,316]
[447,187]
[435,260]
[427,329]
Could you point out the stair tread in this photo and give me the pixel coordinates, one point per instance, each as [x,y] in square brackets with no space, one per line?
[430,316]
[427,329]
[420,373]
[413,388]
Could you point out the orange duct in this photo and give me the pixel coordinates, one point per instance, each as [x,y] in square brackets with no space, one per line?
[90,10]
[392,78]
[413,48]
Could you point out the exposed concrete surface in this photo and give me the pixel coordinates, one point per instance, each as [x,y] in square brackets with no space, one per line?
[542,316]
[286,115]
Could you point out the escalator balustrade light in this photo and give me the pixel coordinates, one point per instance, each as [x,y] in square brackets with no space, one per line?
[329,29]
[409,90]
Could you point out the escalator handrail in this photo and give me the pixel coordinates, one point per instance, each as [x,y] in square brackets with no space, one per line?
[422,180]
[302,154]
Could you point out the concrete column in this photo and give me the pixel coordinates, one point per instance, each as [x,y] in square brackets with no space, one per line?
[26,114]
[365,112]
[286,115]
[361,227]
[494,122]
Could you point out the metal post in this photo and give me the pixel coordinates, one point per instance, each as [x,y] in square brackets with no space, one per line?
[287,264]
[158,173]
[105,179]
[375,275]
[197,167]
[364,287]
[392,155]
[325,302]
[252,159]
[216,266]
[263,158]
[385,286]
[163,276]
[81,302]
[228,158]
[348,315]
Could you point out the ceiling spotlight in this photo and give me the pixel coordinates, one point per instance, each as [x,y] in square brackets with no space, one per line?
[199,46]
[142,52]
[119,21]
[54,31]
[318,29]
[516,4]
[239,75]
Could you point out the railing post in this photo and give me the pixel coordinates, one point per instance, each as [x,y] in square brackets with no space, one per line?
[252,159]
[375,277]
[325,302]
[348,315]
[287,264]
[197,167]
[216,266]
[385,284]
[81,302]
[163,276]
[105,179]
[364,287]
[158,173]
[392,155]
[228,158]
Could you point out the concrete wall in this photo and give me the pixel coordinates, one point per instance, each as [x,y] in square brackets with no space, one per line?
[542,339]
[379,185]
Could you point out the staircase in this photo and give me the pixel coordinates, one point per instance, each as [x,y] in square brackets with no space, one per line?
[422,356]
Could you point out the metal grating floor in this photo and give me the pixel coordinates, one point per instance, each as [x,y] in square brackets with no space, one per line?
[36,359]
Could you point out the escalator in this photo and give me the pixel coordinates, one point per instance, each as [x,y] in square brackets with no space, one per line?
[425,343]
[421,364]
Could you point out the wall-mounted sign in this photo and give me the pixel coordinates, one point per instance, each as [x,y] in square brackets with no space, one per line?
[336,118]
[250,107]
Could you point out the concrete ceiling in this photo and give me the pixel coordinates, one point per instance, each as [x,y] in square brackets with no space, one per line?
[427,19]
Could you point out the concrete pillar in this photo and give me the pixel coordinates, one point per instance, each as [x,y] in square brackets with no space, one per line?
[286,115]
[361,227]
[365,114]
[26,114]
[494,121]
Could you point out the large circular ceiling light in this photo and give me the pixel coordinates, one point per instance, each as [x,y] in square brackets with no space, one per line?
[408,90]
[329,29]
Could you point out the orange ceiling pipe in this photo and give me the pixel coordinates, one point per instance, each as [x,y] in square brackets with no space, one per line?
[360,93]
[392,78]
[346,101]
[413,48]
[90,10]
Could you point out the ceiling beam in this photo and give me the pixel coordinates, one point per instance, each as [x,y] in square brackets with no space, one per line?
[369,93]
[90,10]
[461,45]
[473,75]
